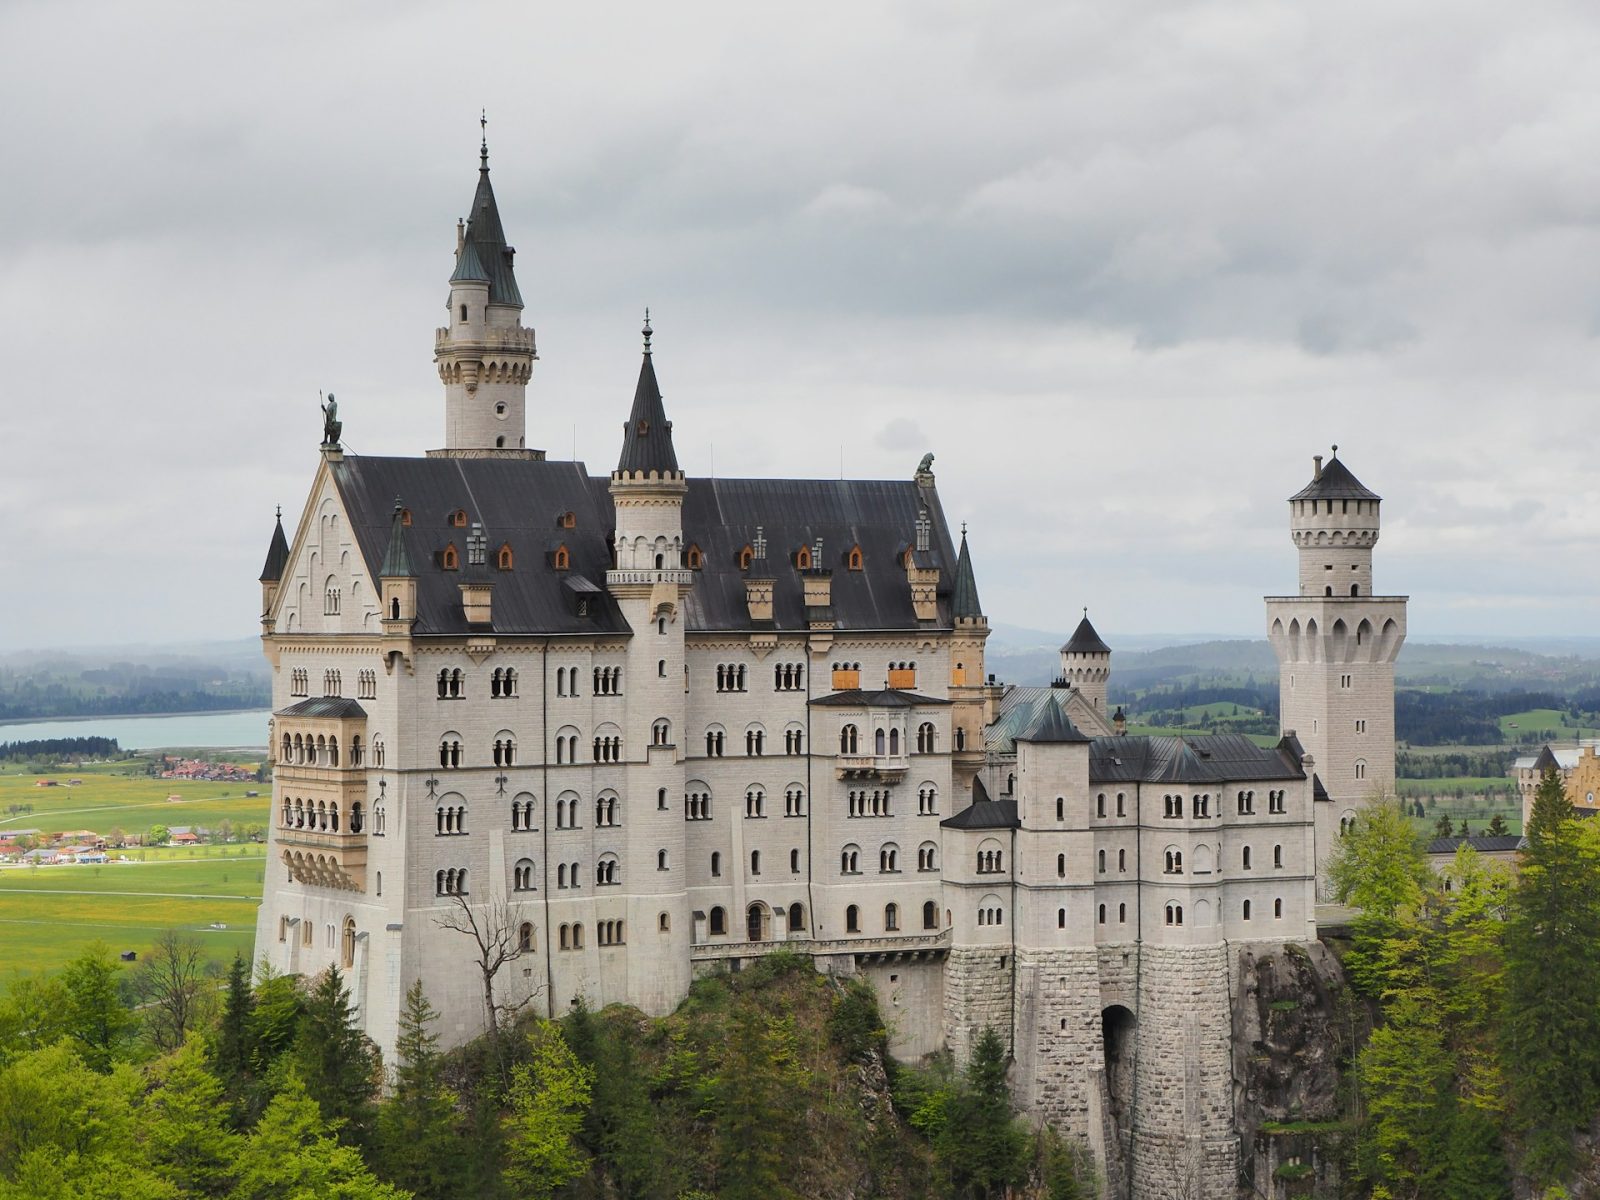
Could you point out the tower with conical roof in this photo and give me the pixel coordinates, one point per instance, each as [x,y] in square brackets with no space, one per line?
[272,572]
[649,581]
[1086,663]
[1336,644]
[975,703]
[484,353]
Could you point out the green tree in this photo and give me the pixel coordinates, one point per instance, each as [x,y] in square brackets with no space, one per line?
[231,1053]
[336,1061]
[982,1145]
[55,1109]
[94,1015]
[293,1153]
[170,985]
[1551,1031]
[184,1119]
[33,1015]
[157,835]
[756,1096]
[1497,826]
[546,1101]
[1379,865]
[1405,1074]
[419,1144]
[274,1017]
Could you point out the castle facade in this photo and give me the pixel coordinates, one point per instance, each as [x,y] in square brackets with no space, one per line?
[606,733]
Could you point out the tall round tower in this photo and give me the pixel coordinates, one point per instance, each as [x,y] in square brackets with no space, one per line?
[1334,522]
[485,355]
[1086,663]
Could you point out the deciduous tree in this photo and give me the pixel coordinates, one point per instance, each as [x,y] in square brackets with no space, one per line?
[546,1099]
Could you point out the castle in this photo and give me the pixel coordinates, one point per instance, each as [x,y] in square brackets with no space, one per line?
[620,731]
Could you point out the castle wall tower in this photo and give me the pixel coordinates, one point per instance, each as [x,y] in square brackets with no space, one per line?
[976,701]
[649,580]
[1336,644]
[1086,664]
[484,353]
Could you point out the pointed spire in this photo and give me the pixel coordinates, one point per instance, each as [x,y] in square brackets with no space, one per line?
[396,562]
[484,253]
[483,147]
[1085,640]
[964,602]
[647,437]
[277,553]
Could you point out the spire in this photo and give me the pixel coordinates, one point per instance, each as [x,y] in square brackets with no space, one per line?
[277,554]
[396,562]
[647,437]
[484,253]
[964,603]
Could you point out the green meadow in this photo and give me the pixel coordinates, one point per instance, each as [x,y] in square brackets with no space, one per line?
[119,796]
[49,914]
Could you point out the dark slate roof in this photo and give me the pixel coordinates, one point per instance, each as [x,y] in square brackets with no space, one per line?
[1052,725]
[887,698]
[964,597]
[1483,843]
[1085,640]
[721,517]
[396,562]
[324,706]
[518,502]
[1545,762]
[984,813]
[1202,758]
[486,242]
[647,436]
[1318,791]
[277,555]
[1336,482]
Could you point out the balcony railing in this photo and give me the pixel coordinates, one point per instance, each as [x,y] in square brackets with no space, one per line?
[872,764]
[883,943]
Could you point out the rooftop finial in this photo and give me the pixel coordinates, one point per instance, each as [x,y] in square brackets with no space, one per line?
[1336,449]
[647,331]
[483,146]
[280,512]
[963,531]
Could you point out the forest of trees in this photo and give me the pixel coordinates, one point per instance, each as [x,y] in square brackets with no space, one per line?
[57,749]
[1485,1060]
[166,1083]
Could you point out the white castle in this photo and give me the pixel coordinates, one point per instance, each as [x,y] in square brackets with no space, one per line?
[647,727]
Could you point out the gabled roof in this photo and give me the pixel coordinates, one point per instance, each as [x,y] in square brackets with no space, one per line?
[486,243]
[1052,725]
[888,698]
[1213,758]
[1021,708]
[964,596]
[1085,640]
[323,706]
[647,437]
[984,813]
[277,554]
[1336,482]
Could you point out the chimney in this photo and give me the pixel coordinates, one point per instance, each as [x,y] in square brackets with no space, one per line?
[461,235]
[1316,467]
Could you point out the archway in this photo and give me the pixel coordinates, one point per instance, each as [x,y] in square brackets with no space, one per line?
[758,923]
[1118,1033]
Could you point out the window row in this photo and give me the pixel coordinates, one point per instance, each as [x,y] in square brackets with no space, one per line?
[755,741]
[891,917]
[874,803]
[1246,802]
[319,815]
[888,859]
[320,751]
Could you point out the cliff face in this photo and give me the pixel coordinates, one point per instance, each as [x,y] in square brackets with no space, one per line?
[1295,1025]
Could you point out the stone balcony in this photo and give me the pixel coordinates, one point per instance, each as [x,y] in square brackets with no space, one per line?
[871,948]
[888,767]
[324,859]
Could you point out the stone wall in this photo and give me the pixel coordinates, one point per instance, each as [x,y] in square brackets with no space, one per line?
[977,993]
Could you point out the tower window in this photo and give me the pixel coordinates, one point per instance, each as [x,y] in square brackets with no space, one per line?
[500,409]
[463,314]
[500,442]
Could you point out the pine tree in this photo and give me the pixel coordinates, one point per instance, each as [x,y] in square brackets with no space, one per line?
[419,1145]
[547,1099]
[231,1056]
[1405,1074]
[982,1145]
[292,1153]
[337,1062]
[1551,1032]
[186,1137]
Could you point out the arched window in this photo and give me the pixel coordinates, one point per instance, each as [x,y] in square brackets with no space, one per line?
[1277,857]
[889,860]
[716,863]
[925,738]
[797,917]
[1100,861]
[1277,910]
[1061,918]
[1245,909]
[606,871]
[661,860]
[1174,914]
[504,558]
[852,919]
[718,921]
[525,938]
[1102,914]
[930,915]
[522,875]
[1174,862]
[755,862]
[891,918]
[850,860]
[848,739]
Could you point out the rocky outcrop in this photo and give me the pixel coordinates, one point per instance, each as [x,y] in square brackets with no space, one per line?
[1295,1025]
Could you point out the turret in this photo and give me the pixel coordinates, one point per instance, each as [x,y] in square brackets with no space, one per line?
[1086,663]
[485,355]
[272,571]
[1334,522]
[399,585]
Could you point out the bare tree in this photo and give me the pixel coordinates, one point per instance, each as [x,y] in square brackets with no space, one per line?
[496,932]
[171,987]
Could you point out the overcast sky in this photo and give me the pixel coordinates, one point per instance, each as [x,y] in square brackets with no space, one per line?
[1123,267]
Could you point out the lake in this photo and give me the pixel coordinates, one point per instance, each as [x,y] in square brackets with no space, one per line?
[229,730]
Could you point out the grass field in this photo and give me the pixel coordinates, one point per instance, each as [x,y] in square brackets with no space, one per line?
[120,796]
[1545,720]
[49,914]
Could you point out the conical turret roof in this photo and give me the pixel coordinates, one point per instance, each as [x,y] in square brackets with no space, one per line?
[277,554]
[647,437]
[484,253]
[396,562]
[1335,482]
[1085,640]
[964,601]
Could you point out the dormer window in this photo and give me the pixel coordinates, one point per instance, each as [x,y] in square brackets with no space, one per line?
[503,559]
[695,559]
[908,559]
[561,559]
[449,559]
[802,558]
[745,557]
[855,559]
[567,520]
[405,516]
[459,518]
